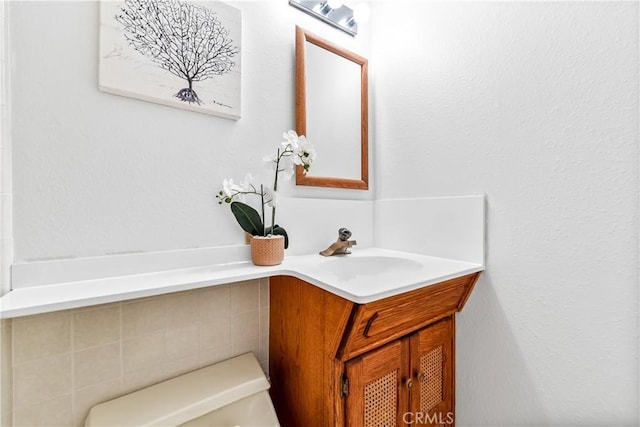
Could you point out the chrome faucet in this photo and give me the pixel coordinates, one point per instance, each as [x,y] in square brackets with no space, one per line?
[342,245]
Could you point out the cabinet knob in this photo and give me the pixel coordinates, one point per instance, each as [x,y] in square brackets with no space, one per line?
[409,383]
[422,377]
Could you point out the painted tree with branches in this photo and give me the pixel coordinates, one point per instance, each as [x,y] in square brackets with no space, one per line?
[187,40]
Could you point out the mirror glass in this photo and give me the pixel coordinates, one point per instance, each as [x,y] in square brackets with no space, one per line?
[332,110]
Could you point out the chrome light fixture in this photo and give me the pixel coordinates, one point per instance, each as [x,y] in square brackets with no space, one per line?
[333,12]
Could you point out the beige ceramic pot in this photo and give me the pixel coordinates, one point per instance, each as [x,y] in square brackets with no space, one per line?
[267,250]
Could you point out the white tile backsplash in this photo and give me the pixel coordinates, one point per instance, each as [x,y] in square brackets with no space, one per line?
[33,336]
[66,362]
[53,412]
[6,372]
[245,297]
[245,326]
[214,303]
[181,310]
[97,365]
[42,379]
[321,219]
[143,317]
[181,343]
[140,353]
[97,326]
[214,333]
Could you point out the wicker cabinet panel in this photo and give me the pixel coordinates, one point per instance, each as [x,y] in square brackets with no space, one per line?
[432,367]
[374,380]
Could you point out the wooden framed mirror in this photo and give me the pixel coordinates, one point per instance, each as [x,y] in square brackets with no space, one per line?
[332,111]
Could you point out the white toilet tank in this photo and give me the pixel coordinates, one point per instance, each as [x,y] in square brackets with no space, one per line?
[230,393]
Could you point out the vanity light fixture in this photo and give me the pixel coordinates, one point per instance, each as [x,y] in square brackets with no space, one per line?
[333,12]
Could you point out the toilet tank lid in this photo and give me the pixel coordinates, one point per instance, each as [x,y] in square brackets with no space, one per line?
[183,398]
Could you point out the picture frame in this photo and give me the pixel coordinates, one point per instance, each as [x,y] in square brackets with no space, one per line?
[180,53]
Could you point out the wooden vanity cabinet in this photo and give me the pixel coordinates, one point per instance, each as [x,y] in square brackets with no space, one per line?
[336,363]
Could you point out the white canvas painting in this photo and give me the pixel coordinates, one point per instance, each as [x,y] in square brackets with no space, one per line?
[184,54]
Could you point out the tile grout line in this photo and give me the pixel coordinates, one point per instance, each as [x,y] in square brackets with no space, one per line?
[164,305]
[230,346]
[13,382]
[259,312]
[260,325]
[72,323]
[200,324]
[121,340]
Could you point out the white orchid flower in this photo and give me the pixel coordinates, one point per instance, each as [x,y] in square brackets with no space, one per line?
[228,187]
[302,142]
[246,183]
[271,160]
[291,140]
[305,155]
[287,166]
[274,200]
[270,196]
[232,190]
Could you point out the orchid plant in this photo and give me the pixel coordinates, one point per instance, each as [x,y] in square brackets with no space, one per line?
[294,150]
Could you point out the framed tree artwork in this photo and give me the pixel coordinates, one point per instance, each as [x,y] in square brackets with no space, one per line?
[181,53]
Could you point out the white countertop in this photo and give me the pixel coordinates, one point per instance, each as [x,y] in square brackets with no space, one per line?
[365,275]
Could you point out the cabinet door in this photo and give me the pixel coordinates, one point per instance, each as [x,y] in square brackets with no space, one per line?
[432,371]
[376,386]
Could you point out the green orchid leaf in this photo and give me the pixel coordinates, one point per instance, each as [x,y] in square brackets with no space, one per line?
[248,218]
[277,230]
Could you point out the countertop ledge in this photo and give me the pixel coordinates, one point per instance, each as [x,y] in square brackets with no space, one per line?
[358,285]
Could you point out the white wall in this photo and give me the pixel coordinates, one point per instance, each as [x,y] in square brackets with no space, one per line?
[535,104]
[6,242]
[6,196]
[98,174]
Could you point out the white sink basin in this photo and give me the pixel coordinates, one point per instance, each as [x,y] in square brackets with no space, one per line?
[370,274]
[348,266]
